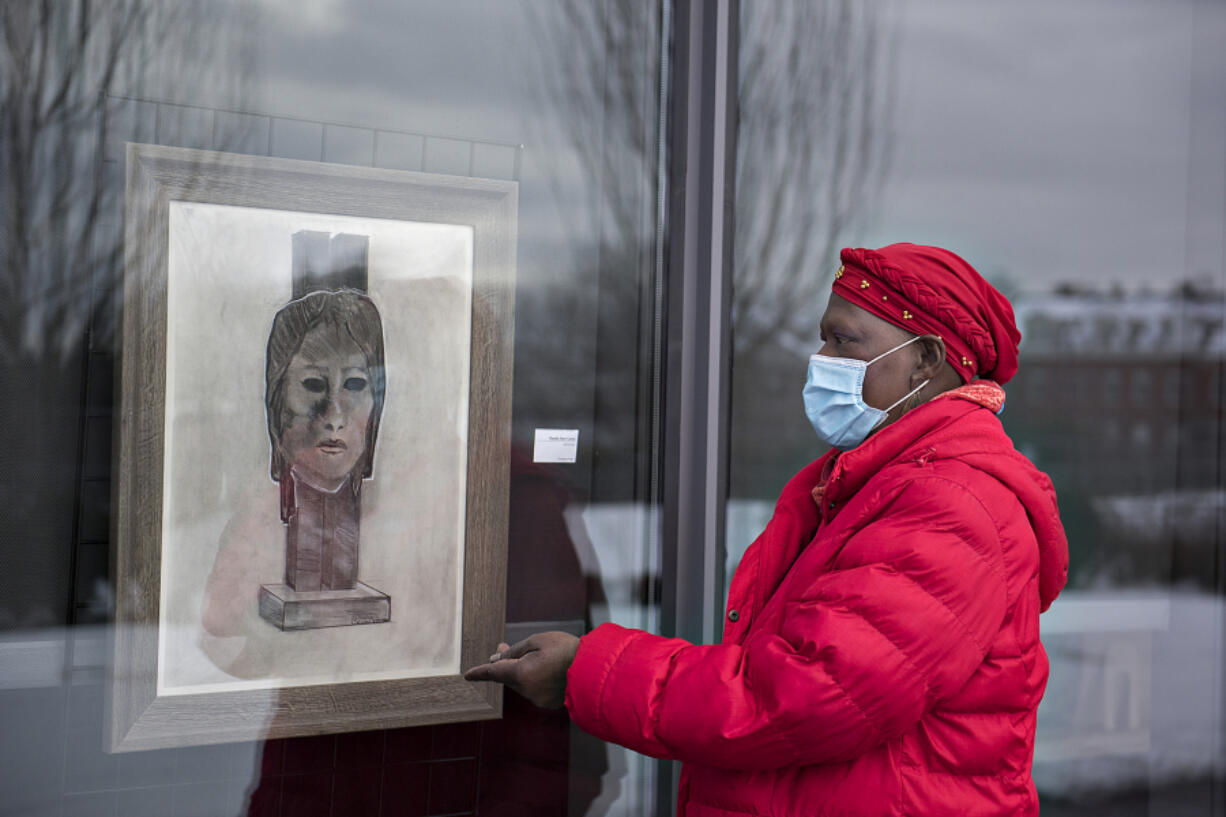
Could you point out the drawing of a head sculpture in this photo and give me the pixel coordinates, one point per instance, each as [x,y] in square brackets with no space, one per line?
[324,391]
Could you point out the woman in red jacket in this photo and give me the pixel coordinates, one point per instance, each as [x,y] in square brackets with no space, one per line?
[882,651]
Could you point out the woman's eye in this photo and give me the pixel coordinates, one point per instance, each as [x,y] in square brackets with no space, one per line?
[315,384]
[355,384]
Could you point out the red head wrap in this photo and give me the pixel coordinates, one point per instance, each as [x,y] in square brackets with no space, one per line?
[931,291]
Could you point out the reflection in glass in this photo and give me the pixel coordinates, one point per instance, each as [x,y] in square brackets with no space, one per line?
[563,98]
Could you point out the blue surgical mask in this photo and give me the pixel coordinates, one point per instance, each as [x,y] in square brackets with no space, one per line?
[834,399]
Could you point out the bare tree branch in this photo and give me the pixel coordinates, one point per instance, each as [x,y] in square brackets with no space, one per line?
[60,237]
[812,142]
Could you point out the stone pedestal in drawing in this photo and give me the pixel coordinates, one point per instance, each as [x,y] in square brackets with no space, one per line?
[321,586]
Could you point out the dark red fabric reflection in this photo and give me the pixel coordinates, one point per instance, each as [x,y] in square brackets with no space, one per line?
[532,761]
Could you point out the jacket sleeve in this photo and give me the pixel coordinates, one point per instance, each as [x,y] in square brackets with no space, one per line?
[860,653]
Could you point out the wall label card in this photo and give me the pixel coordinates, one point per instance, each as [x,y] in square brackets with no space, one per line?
[556,445]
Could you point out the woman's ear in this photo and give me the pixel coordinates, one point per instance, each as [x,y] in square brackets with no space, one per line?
[931,357]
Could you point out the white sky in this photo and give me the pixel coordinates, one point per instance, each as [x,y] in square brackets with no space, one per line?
[1045,140]
[1057,141]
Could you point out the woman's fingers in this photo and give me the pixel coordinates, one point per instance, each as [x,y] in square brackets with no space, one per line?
[517,650]
[501,664]
[502,672]
[535,667]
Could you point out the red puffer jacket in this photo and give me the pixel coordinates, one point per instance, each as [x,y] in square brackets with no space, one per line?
[881,655]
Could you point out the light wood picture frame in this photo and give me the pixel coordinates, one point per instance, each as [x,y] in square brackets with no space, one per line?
[213,640]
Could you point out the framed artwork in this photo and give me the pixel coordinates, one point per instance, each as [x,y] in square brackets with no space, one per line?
[313,448]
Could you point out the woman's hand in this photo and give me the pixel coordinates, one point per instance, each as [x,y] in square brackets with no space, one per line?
[535,667]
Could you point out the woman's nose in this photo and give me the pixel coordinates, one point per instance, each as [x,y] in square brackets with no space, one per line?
[333,414]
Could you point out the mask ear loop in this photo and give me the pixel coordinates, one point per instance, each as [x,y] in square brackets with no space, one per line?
[909,394]
[892,351]
[906,396]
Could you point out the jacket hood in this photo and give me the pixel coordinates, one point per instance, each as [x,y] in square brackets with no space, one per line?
[962,425]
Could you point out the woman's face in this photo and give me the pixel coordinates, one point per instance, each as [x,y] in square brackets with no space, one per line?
[329,398]
[851,332]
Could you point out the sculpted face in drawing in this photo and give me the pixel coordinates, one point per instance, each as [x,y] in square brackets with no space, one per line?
[329,400]
[325,388]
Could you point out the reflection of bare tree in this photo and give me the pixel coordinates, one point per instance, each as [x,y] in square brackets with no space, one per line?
[597,87]
[815,96]
[61,248]
[59,62]
[597,81]
[60,59]
[599,72]
[812,150]
[816,80]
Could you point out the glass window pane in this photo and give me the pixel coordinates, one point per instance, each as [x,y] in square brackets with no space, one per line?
[561,99]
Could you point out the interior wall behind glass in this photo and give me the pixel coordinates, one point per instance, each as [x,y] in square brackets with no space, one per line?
[1072,153]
